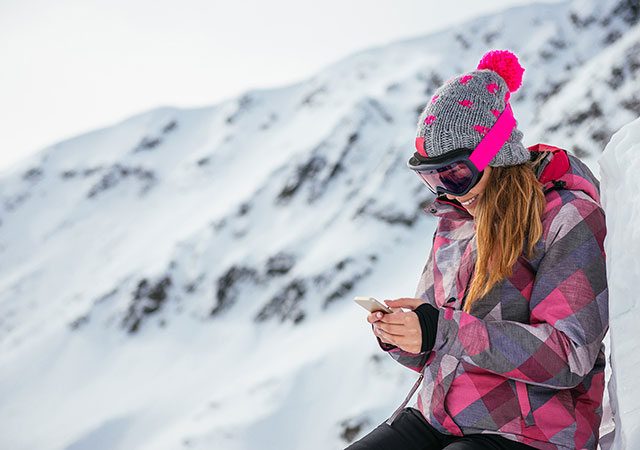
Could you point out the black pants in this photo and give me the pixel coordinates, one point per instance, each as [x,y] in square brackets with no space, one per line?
[411,431]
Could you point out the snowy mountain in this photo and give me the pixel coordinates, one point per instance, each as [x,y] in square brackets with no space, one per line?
[184,278]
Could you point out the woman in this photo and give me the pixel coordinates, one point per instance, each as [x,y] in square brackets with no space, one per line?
[507,325]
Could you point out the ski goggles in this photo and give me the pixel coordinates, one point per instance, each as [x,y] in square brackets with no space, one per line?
[453,173]
[458,171]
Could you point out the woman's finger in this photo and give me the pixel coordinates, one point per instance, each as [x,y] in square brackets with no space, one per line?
[389,328]
[405,302]
[384,337]
[373,317]
[397,318]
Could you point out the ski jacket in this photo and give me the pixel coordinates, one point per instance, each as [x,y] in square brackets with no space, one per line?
[528,361]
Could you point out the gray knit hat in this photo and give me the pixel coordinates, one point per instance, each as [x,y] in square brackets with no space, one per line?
[464,109]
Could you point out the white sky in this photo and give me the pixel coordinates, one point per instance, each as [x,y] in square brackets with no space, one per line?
[69,66]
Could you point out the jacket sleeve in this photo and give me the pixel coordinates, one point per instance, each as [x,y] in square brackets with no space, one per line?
[568,310]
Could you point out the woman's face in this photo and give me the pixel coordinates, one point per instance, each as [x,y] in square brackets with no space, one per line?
[474,194]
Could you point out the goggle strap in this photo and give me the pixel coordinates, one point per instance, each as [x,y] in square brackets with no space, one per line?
[420,147]
[494,139]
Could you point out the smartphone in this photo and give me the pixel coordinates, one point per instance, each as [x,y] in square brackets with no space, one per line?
[372,305]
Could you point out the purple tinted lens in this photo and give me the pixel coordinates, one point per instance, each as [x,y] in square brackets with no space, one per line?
[453,179]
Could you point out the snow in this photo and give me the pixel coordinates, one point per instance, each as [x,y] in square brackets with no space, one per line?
[619,168]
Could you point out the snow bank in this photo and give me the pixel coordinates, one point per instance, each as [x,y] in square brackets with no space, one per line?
[619,173]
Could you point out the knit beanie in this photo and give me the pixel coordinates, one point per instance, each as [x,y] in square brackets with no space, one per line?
[463,110]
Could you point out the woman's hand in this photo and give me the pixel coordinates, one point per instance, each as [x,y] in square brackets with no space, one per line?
[399,328]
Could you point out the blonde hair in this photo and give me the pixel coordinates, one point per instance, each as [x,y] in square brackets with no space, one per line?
[509,212]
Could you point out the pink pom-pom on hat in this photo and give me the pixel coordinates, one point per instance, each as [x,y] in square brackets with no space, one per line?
[505,64]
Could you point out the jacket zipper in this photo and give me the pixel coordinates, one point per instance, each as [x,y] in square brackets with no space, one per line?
[406,400]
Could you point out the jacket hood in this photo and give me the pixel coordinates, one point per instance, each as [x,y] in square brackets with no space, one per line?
[558,170]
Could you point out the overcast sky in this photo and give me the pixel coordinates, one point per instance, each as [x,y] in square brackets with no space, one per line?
[69,66]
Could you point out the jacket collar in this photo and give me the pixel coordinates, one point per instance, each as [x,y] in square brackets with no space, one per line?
[553,166]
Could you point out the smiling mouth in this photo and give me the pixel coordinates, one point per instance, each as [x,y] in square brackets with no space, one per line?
[470,201]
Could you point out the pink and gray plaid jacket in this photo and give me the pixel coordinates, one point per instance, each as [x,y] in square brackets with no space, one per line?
[527,362]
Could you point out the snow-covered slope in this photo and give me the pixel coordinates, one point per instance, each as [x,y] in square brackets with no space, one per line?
[619,165]
[184,279]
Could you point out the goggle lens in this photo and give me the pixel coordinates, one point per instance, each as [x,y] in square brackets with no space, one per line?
[455,178]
